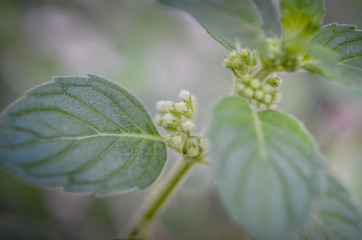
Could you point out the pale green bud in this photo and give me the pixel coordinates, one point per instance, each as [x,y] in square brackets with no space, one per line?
[266,88]
[255,83]
[158,120]
[228,63]
[267,98]
[245,78]
[259,94]
[164,106]
[176,140]
[245,55]
[237,63]
[274,82]
[248,92]
[233,54]
[170,120]
[188,126]
[240,86]
[192,148]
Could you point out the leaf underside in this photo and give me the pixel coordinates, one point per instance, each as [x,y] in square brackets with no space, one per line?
[232,23]
[84,134]
[269,16]
[266,167]
[336,217]
[346,41]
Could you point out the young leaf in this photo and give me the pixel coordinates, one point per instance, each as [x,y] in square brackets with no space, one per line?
[233,23]
[266,166]
[346,41]
[335,217]
[301,17]
[84,134]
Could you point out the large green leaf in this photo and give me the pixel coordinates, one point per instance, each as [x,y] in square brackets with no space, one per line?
[336,217]
[301,17]
[266,166]
[233,23]
[85,134]
[346,41]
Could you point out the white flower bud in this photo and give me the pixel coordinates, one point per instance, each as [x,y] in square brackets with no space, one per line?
[203,142]
[170,120]
[181,107]
[176,140]
[164,106]
[188,126]
[184,95]
[192,148]
[158,120]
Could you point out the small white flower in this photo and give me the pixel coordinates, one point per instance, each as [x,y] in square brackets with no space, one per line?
[177,140]
[168,119]
[192,148]
[184,95]
[181,107]
[164,106]
[158,120]
[188,126]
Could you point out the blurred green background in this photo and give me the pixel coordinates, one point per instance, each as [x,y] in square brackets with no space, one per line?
[154,52]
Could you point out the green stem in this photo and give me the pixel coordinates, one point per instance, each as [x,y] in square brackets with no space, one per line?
[141,229]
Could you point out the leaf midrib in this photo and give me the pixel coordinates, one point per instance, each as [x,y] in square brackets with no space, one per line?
[259,135]
[84,137]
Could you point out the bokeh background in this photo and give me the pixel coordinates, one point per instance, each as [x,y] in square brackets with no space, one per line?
[154,52]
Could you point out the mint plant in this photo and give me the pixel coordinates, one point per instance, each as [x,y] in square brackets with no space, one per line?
[87,134]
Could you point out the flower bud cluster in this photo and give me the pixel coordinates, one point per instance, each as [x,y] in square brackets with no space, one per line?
[282,56]
[177,119]
[263,95]
[241,62]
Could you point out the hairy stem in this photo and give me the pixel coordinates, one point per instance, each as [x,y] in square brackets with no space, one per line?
[154,207]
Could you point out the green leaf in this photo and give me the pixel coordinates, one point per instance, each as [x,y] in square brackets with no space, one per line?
[301,17]
[233,23]
[270,19]
[266,166]
[346,41]
[84,134]
[336,216]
